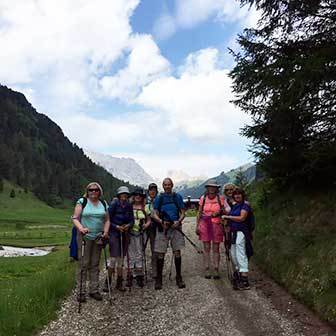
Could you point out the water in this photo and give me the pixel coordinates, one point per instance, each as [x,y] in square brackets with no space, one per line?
[10,251]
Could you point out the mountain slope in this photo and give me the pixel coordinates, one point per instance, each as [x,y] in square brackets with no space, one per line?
[126,169]
[35,154]
[249,171]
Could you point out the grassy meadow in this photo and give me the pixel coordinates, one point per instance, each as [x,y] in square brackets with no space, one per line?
[31,288]
[26,221]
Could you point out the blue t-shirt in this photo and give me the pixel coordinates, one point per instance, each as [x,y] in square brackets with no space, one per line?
[235,211]
[170,205]
[120,213]
[93,218]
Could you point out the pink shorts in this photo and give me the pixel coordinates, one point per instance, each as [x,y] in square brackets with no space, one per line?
[210,231]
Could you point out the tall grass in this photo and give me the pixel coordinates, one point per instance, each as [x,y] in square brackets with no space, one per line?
[31,289]
[295,243]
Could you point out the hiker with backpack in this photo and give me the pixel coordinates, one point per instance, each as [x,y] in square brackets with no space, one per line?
[90,219]
[142,222]
[151,231]
[241,223]
[169,212]
[208,226]
[122,220]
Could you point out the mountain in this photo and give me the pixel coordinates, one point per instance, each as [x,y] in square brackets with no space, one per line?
[126,169]
[249,171]
[35,154]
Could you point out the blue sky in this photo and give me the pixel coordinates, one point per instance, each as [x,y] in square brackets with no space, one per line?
[143,79]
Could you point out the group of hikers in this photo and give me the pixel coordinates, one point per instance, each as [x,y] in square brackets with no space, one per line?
[133,221]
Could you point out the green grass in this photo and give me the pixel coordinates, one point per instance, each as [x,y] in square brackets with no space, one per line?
[31,289]
[27,221]
[295,243]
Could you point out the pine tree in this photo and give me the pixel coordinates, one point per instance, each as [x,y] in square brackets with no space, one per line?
[285,79]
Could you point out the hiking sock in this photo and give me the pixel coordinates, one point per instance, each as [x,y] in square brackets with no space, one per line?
[158,280]
[216,259]
[119,284]
[206,260]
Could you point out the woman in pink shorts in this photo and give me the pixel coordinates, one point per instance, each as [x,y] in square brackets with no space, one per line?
[209,228]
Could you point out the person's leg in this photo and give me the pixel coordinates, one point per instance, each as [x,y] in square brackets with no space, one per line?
[153,254]
[82,266]
[139,262]
[132,255]
[216,259]
[160,249]
[206,259]
[177,243]
[94,271]
[242,260]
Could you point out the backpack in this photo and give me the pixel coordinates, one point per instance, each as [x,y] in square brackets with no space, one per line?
[73,242]
[221,206]
[174,200]
[250,221]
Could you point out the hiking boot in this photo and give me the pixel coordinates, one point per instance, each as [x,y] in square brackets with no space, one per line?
[216,275]
[244,283]
[235,280]
[81,298]
[119,285]
[207,274]
[140,280]
[158,283]
[97,296]
[129,281]
[180,283]
[105,288]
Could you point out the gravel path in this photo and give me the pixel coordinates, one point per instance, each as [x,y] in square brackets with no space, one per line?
[205,307]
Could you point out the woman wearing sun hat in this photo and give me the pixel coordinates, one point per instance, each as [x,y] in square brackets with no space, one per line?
[209,228]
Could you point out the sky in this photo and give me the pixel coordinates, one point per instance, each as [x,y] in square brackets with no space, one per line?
[142,79]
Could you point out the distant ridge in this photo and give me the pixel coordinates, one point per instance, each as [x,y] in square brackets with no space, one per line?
[126,169]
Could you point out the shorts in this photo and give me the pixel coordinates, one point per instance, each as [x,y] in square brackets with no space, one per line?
[162,240]
[210,231]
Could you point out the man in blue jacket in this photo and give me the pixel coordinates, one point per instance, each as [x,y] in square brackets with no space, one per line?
[169,212]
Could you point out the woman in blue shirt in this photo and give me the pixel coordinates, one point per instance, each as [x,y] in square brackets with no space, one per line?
[122,220]
[91,219]
[241,248]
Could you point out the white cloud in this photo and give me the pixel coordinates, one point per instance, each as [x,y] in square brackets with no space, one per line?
[197,104]
[61,47]
[145,64]
[190,13]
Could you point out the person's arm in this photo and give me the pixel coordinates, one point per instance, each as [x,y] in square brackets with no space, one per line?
[130,220]
[147,221]
[181,213]
[241,218]
[111,211]
[76,220]
[106,225]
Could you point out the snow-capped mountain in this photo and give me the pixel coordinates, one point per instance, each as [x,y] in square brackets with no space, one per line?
[126,169]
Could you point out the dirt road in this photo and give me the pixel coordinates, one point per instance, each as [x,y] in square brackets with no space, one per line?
[205,307]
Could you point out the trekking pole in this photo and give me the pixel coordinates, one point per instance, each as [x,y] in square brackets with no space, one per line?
[107,276]
[144,260]
[128,263]
[198,250]
[81,275]
[228,258]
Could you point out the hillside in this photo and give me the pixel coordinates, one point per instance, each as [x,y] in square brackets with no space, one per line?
[294,242]
[35,154]
[126,169]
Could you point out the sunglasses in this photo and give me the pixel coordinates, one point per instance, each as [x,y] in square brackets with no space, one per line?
[228,189]
[138,195]
[94,190]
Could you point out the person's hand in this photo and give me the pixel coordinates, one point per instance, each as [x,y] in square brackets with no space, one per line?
[126,227]
[146,226]
[165,225]
[120,228]
[215,214]
[176,224]
[83,230]
[105,235]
